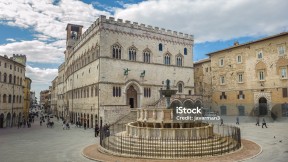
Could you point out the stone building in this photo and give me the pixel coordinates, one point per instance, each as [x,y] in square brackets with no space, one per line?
[251,78]
[61,109]
[12,75]
[203,82]
[115,66]
[45,99]
[54,94]
[27,101]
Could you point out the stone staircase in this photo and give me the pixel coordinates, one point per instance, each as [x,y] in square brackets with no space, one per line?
[167,148]
[119,125]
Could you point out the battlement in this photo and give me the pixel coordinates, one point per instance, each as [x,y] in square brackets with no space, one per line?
[134,25]
[127,23]
[61,67]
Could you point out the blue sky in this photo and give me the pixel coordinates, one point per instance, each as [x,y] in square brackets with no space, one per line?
[36,28]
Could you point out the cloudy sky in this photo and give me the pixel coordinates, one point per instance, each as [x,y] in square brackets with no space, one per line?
[36,28]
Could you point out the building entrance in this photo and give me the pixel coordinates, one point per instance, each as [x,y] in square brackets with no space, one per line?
[263,106]
[131,97]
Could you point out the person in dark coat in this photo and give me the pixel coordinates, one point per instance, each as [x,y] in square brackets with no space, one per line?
[84,125]
[264,123]
[96,130]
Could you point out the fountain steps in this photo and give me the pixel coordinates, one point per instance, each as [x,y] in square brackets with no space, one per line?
[155,149]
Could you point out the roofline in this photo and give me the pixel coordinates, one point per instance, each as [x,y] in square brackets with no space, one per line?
[203,61]
[15,62]
[251,42]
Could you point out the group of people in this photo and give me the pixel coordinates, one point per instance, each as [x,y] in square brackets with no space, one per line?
[25,122]
[257,122]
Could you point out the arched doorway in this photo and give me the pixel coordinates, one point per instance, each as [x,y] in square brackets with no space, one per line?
[263,110]
[174,104]
[131,97]
[1,120]
[8,120]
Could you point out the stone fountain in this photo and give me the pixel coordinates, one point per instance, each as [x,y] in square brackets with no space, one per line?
[156,134]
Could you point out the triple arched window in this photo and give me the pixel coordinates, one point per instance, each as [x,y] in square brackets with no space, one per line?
[167,59]
[146,56]
[132,54]
[179,61]
[116,51]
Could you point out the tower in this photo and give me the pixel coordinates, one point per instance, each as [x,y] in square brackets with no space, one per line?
[73,34]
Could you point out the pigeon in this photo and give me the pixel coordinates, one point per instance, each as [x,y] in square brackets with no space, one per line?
[274,136]
[280,141]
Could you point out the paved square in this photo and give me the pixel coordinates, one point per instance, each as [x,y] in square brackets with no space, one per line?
[42,144]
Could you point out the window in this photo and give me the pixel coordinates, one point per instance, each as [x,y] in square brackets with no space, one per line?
[132,54]
[283,72]
[241,110]
[222,80]
[281,50]
[10,78]
[185,51]
[146,56]
[116,91]
[285,92]
[261,75]
[4,98]
[180,86]
[13,98]
[5,78]
[223,96]
[92,91]
[116,51]
[260,55]
[10,67]
[5,65]
[14,79]
[223,110]
[240,95]
[179,61]
[160,47]
[167,59]
[239,59]
[9,98]
[221,62]
[240,78]
[147,92]
[189,92]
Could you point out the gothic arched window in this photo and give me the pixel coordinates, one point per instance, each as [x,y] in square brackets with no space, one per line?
[132,54]
[160,47]
[179,60]
[167,59]
[116,51]
[146,56]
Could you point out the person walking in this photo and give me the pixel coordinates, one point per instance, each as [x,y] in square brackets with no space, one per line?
[221,121]
[264,123]
[237,120]
[85,125]
[257,121]
[40,122]
[96,130]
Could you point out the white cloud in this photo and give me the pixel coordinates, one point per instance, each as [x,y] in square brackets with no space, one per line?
[45,17]
[211,20]
[36,51]
[10,40]
[41,78]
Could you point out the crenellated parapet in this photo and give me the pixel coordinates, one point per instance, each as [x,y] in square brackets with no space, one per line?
[134,28]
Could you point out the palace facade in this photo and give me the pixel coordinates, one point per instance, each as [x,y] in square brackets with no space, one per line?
[115,66]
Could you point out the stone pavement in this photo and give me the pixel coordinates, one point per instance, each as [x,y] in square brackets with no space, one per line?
[41,144]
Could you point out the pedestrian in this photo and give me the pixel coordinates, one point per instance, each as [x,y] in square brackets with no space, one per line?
[18,124]
[96,130]
[221,120]
[40,122]
[264,123]
[237,120]
[64,126]
[257,121]
[84,125]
